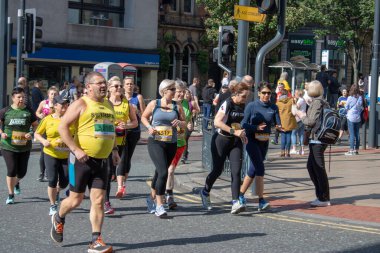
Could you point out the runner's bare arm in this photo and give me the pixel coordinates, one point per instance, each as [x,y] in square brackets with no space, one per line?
[146,116]
[142,103]
[133,118]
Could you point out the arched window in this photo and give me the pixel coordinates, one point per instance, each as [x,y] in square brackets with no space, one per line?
[186,64]
[172,62]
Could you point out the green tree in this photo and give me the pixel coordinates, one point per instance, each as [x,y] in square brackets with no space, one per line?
[222,13]
[351,20]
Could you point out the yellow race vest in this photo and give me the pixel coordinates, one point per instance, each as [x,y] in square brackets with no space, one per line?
[57,148]
[96,129]
[121,115]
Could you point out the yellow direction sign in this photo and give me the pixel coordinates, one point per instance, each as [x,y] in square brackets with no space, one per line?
[248,13]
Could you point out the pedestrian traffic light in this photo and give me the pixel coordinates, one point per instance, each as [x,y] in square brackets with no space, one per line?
[267,6]
[32,31]
[227,40]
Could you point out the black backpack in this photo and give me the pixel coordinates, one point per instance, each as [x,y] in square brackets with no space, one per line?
[328,126]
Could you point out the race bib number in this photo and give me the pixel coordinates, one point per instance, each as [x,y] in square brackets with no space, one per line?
[59,145]
[104,129]
[235,126]
[262,136]
[18,138]
[164,133]
[181,132]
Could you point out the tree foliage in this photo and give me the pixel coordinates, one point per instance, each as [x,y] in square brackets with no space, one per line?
[350,20]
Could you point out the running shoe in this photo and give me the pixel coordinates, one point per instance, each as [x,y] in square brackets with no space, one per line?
[243,203]
[317,203]
[99,247]
[120,192]
[263,205]
[302,152]
[108,208]
[150,204]
[351,152]
[160,211]
[10,201]
[355,152]
[56,232]
[206,202]
[294,152]
[17,189]
[53,209]
[236,207]
[170,202]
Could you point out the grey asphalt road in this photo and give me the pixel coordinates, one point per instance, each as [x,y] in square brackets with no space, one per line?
[25,226]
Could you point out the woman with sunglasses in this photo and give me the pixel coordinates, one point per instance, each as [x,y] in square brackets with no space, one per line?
[125,118]
[166,115]
[259,116]
[228,141]
[16,140]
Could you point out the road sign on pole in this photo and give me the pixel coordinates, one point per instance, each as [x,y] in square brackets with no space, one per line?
[248,13]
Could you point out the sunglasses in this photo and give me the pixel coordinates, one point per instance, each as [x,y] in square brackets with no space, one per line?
[116,86]
[172,89]
[266,92]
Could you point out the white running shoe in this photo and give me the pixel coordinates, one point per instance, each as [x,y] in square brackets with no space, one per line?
[317,203]
[294,152]
[160,211]
[236,207]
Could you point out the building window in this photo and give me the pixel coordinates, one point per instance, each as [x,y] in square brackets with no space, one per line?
[188,6]
[97,12]
[186,64]
[172,62]
[173,5]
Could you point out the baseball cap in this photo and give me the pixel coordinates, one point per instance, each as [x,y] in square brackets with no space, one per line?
[61,100]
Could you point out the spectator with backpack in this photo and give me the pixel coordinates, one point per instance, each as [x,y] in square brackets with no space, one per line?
[316,159]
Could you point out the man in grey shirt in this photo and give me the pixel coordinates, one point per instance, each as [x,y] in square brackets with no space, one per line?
[193,89]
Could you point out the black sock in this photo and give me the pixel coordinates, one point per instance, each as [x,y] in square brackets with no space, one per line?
[261,199]
[59,219]
[11,196]
[17,185]
[95,236]
[169,192]
[206,193]
[241,194]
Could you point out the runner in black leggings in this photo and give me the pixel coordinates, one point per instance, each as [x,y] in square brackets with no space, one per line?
[16,140]
[133,135]
[228,141]
[166,115]
[125,118]
[258,119]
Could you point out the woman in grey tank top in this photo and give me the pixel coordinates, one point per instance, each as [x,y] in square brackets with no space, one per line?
[162,142]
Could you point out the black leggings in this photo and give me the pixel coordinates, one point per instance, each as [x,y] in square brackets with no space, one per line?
[162,154]
[111,170]
[42,162]
[221,147]
[256,150]
[129,148]
[57,171]
[317,171]
[17,163]
[186,152]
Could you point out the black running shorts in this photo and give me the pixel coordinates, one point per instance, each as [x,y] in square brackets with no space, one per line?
[93,174]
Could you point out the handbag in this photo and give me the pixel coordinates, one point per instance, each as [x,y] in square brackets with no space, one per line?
[364,115]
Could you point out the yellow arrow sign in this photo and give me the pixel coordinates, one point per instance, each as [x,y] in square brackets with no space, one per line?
[248,13]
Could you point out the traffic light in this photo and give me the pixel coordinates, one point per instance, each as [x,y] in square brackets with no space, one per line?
[32,31]
[267,6]
[28,33]
[227,43]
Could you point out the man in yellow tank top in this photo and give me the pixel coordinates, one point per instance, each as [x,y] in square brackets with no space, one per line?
[93,118]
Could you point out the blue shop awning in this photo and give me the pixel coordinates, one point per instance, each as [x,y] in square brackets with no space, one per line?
[83,56]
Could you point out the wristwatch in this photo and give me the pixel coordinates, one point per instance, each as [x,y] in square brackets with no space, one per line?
[232,131]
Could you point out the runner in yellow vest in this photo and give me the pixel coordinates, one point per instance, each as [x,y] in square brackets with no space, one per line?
[55,151]
[93,117]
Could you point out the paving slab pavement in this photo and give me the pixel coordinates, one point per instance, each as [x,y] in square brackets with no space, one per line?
[354,184]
